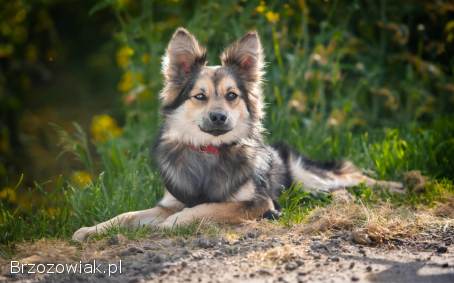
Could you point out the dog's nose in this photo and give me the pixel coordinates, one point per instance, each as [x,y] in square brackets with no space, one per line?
[217,118]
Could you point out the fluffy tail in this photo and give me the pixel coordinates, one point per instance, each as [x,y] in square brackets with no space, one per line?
[327,176]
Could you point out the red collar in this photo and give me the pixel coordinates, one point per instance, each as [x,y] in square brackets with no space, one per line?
[211,149]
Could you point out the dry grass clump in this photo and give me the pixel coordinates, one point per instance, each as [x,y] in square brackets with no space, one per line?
[373,224]
[445,209]
[274,255]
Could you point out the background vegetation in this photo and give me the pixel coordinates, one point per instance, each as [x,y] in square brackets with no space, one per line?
[370,81]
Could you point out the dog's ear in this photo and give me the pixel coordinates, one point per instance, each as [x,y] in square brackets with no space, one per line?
[246,56]
[183,54]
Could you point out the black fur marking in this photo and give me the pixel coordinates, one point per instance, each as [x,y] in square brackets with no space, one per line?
[284,152]
[195,177]
[272,215]
[182,96]
[243,89]
[319,168]
[187,85]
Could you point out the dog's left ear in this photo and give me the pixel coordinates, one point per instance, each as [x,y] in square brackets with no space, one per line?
[246,56]
[184,55]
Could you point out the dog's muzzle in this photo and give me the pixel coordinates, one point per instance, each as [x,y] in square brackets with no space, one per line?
[217,124]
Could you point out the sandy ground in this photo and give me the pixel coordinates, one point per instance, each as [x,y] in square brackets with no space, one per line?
[257,254]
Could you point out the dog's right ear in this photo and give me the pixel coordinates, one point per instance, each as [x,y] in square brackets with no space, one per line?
[183,55]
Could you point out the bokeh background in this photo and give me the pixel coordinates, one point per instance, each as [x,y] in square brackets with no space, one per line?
[371,81]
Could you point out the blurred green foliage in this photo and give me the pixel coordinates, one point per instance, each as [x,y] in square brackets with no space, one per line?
[370,81]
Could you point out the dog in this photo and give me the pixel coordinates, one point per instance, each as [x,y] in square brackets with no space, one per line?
[211,151]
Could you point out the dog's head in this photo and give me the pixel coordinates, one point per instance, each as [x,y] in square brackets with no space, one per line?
[211,104]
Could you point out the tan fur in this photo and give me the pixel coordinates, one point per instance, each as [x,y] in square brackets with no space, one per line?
[171,213]
[183,125]
[226,212]
[153,216]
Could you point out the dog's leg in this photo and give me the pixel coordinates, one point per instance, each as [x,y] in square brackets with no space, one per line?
[166,207]
[342,175]
[223,212]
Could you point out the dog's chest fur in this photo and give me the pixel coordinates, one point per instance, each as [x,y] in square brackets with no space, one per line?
[195,177]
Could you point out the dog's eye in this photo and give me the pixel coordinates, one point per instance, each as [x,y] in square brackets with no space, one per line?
[200,96]
[231,96]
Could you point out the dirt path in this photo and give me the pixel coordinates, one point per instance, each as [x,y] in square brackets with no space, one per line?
[261,255]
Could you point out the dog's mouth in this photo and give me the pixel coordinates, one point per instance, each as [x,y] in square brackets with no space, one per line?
[216,131]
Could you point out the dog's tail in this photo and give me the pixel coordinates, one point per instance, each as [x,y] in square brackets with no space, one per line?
[326,176]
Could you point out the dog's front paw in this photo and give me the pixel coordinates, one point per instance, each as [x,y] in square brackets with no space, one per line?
[83,233]
[167,225]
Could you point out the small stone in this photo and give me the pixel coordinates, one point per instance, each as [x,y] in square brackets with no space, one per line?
[203,243]
[156,258]
[362,251]
[184,264]
[360,237]
[354,278]
[264,272]
[291,266]
[125,253]
[317,246]
[253,234]
[135,250]
[445,265]
[136,280]
[299,262]
[113,240]
[369,268]
[442,249]
[351,265]
[335,259]
[100,275]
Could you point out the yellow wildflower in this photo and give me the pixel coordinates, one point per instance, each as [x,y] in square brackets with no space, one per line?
[129,80]
[53,211]
[6,50]
[123,56]
[289,10]
[121,4]
[144,95]
[126,82]
[31,53]
[272,17]
[104,127]
[81,179]
[261,8]
[146,58]
[8,194]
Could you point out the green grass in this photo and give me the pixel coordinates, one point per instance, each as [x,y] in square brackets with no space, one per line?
[334,89]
